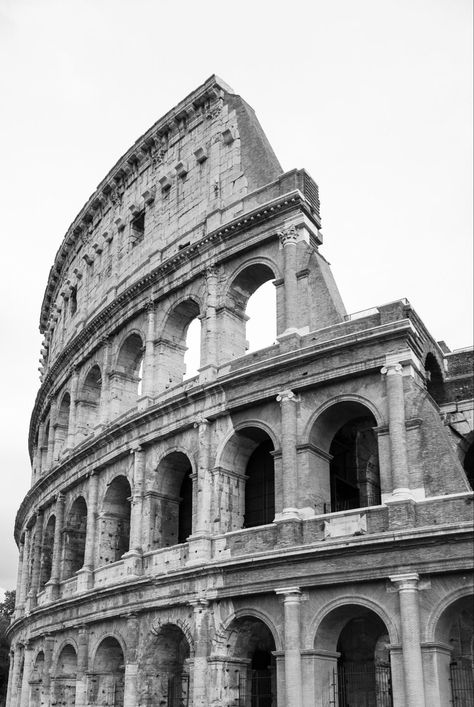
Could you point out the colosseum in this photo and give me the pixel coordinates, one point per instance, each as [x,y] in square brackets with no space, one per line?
[289,527]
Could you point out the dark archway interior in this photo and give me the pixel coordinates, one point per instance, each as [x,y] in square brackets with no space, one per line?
[115,521]
[354,467]
[173,514]
[252,641]
[47,552]
[75,538]
[469,464]
[260,486]
[164,673]
[434,379]
[106,684]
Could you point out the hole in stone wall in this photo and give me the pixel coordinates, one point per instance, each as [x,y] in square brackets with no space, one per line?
[192,357]
[261,309]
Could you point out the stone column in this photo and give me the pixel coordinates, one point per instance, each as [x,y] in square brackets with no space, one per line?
[25,683]
[288,239]
[293,681]
[53,583]
[41,453]
[131,661]
[19,578]
[396,426]
[21,596]
[52,433]
[407,587]
[199,541]
[71,430]
[36,548]
[201,642]
[287,400]
[14,686]
[134,555]
[48,662]
[85,575]
[209,348]
[104,403]
[8,699]
[148,380]
[82,666]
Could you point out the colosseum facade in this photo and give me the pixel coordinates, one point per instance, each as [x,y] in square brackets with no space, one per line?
[290,527]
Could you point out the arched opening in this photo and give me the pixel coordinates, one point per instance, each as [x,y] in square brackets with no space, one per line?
[250,674]
[106,683]
[434,379]
[74,543]
[45,446]
[247,480]
[343,457]
[261,326]
[164,678]
[62,424]
[234,314]
[455,629]
[127,376]
[88,402]
[192,356]
[361,675]
[469,465]
[63,688]
[173,507]
[47,552]
[36,681]
[115,521]
[180,344]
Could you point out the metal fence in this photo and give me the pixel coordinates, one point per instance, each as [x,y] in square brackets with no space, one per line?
[360,685]
[462,683]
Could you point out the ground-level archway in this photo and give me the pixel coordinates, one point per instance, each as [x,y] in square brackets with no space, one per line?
[247,676]
[352,659]
[455,663]
[106,682]
[164,675]
[63,683]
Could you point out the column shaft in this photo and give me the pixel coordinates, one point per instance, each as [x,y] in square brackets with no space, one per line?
[52,434]
[19,579]
[91,529]
[15,688]
[293,675]
[203,495]
[201,631]
[407,586]
[71,430]
[137,500]
[288,451]
[209,352]
[37,545]
[25,684]
[11,670]
[58,530]
[148,387]
[396,426]
[288,239]
[21,596]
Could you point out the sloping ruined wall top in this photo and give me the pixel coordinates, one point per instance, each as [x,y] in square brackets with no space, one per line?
[204,155]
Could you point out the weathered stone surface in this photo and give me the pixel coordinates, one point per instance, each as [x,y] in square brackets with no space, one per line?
[283,516]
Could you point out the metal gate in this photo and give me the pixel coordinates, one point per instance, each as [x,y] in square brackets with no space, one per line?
[255,689]
[360,685]
[178,690]
[462,683]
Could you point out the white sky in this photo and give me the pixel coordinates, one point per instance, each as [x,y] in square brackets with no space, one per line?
[373,97]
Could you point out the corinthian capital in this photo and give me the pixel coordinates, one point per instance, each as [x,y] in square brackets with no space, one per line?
[392,370]
[288,236]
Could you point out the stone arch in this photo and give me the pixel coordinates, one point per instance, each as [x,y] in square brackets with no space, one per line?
[165,668]
[36,680]
[106,685]
[246,478]
[218,643]
[63,681]
[352,640]
[173,508]
[182,624]
[125,378]
[172,344]
[341,455]
[74,537]
[240,285]
[452,626]
[88,401]
[245,665]
[62,425]
[350,600]
[443,604]
[47,550]
[114,520]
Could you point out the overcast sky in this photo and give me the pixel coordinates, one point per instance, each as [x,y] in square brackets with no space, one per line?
[373,97]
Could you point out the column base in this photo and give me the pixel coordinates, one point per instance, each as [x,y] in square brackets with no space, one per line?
[144,402]
[133,562]
[52,590]
[287,514]
[401,513]
[208,373]
[199,549]
[85,579]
